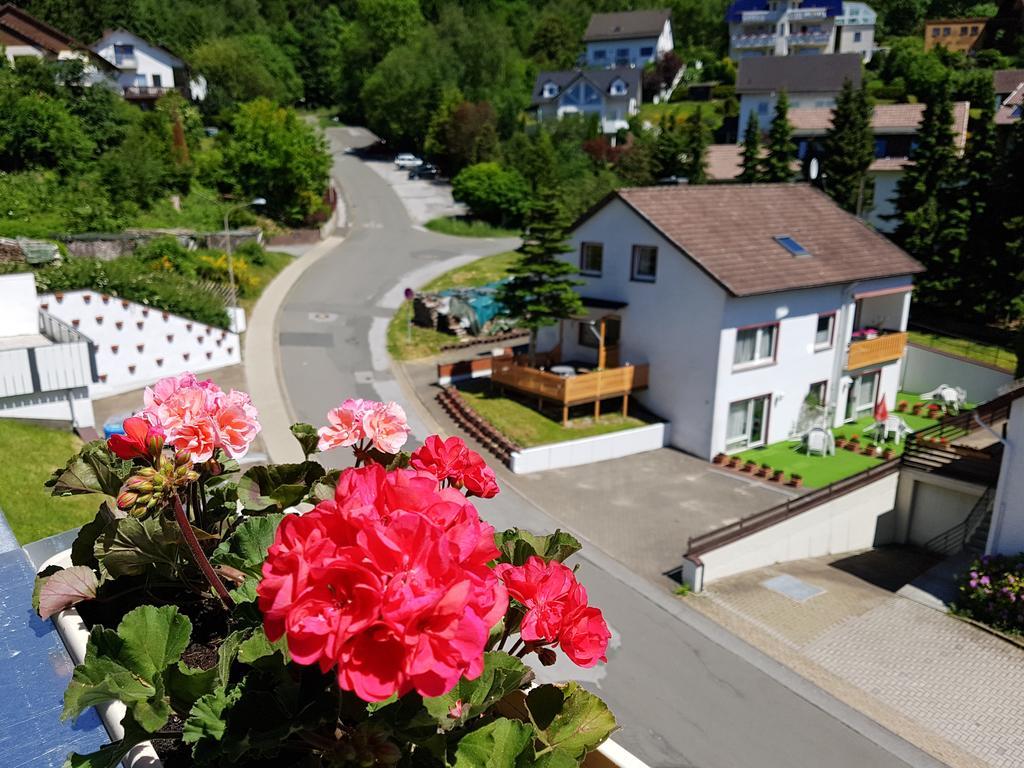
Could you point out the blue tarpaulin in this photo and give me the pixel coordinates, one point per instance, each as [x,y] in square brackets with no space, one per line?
[478,306]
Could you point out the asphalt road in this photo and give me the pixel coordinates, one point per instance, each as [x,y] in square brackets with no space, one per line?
[685,692]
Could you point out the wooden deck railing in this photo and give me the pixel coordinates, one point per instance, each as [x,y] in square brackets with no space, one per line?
[874,351]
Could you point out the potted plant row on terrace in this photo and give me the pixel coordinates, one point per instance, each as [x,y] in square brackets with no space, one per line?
[386,624]
[764,471]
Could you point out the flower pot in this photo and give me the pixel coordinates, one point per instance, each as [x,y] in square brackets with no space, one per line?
[114,348]
[166,315]
[99,319]
[840,442]
[719,458]
[867,450]
[87,298]
[851,446]
[749,467]
[888,454]
[777,476]
[125,304]
[915,409]
[795,481]
[58,296]
[901,406]
[139,324]
[734,463]
[763,471]
[76,322]
[145,313]
[119,324]
[105,298]
[170,337]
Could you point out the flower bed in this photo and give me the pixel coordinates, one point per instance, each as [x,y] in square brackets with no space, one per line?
[388,625]
[992,592]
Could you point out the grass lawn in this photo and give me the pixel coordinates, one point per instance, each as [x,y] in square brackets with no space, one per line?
[424,342]
[463,226]
[28,455]
[527,427]
[713,115]
[975,350]
[822,470]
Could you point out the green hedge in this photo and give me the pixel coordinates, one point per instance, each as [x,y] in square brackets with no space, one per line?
[131,278]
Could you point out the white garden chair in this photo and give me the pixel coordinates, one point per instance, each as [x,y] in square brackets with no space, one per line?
[897,427]
[819,441]
[952,397]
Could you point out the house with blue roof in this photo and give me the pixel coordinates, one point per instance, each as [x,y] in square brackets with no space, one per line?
[800,27]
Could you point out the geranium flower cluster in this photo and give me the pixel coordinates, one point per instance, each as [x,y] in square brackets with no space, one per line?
[198,417]
[452,462]
[355,422]
[557,612]
[388,584]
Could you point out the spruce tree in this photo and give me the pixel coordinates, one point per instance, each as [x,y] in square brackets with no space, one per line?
[698,136]
[778,165]
[541,292]
[1010,269]
[751,158]
[849,149]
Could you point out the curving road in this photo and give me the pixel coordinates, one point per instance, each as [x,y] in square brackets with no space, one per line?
[685,691]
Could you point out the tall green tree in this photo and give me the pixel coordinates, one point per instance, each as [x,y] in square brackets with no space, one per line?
[243,68]
[849,149]
[751,156]
[541,291]
[698,136]
[669,147]
[778,165]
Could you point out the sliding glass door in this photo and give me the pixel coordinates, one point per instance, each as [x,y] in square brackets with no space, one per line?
[748,423]
[863,392]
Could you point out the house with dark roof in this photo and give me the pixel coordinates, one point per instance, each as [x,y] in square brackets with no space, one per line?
[799,28]
[145,71]
[23,35]
[628,39]
[744,300]
[809,81]
[613,95]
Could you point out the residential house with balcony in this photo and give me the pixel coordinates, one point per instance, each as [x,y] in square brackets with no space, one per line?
[800,27]
[612,95]
[807,81]
[1009,87]
[145,70]
[46,367]
[628,39]
[23,35]
[744,300]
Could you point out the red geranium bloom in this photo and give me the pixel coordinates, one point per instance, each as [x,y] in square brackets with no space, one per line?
[139,440]
[453,461]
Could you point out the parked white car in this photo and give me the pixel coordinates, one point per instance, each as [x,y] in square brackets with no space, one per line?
[406,160]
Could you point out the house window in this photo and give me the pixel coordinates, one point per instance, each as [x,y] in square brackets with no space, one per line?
[856,37]
[861,398]
[762,107]
[157,81]
[945,31]
[747,423]
[974,30]
[550,90]
[816,393]
[755,346]
[622,55]
[591,258]
[645,263]
[823,334]
[122,52]
[600,54]
[963,31]
[936,31]
[647,51]
[618,88]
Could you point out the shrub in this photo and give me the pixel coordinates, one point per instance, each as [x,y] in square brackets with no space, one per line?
[992,592]
[493,193]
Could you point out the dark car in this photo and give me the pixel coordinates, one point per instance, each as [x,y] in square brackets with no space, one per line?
[425,171]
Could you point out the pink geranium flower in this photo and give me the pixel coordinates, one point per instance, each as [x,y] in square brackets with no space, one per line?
[345,425]
[386,426]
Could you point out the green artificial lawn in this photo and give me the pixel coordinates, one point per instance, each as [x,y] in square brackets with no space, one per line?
[527,427]
[975,350]
[28,455]
[409,342]
[818,471]
[461,226]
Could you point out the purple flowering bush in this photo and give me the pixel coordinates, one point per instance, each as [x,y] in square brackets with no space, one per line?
[992,592]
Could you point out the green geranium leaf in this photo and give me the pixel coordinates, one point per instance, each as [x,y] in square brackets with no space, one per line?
[246,548]
[83,551]
[93,470]
[258,646]
[469,698]
[111,755]
[323,489]
[308,438]
[131,665]
[206,720]
[555,759]
[499,744]
[226,655]
[277,487]
[185,685]
[517,546]
[130,547]
[581,724]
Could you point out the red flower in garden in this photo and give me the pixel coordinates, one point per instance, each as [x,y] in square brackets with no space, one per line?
[453,461]
[139,440]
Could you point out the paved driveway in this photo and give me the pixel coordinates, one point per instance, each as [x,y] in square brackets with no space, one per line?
[424,199]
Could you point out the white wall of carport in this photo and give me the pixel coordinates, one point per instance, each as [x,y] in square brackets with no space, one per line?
[672,323]
[72,405]
[928,504]
[19,309]
[1006,536]
[925,369]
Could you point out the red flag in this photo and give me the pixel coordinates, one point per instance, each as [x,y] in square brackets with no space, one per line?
[881,412]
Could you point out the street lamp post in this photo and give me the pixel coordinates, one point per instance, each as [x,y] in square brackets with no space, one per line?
[227,244]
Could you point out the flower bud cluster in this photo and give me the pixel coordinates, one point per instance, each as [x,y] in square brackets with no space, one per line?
[151,488]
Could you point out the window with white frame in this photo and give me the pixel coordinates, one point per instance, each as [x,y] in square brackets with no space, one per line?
[618,88]
[860,400]
[600,54]
[591,259]
[825,330]
[647,51]
[550,90]
[755,346]
[817,392]
[747,424]
[644,268]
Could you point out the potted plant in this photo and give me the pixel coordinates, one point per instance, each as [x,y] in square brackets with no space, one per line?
[888,454]
[764,470]
[870,449]
[719,458]
[385,625]
[902,406]
[777,476]
[749,466]
[933,410]
[734,462]
[915,409]
[853,443]
[841,442]
[795,480]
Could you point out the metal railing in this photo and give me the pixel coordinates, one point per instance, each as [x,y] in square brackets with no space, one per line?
[955,539]
[759,521]
[58,331]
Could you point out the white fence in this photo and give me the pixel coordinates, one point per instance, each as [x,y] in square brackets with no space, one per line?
[588,450]
[924,369]
[63,366]
[15,372]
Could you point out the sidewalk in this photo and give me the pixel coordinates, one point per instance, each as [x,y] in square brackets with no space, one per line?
[940,683]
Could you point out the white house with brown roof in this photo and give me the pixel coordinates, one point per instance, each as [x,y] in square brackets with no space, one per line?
[145,70]
[743,299]
[628,39]
[22,35]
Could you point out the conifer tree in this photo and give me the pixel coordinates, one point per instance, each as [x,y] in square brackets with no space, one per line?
[778,165]
[541,292]
[751,158]
[849,149]
[698,136]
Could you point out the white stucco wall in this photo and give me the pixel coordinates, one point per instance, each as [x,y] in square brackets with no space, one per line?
[925,369]
[19,308]
[149,345]
[150,60]
[589,450]
[672,323]
[1006,535]
[660,45]
[884,200]
[848,44]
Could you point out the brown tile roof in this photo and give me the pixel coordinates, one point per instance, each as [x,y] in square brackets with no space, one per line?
[1007,80]
[1012,108]
[798,74]
[888,164]
[626,25]
[729,230]
[887,118]
[724,161]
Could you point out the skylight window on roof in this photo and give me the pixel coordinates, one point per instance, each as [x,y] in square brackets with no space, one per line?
[792,246]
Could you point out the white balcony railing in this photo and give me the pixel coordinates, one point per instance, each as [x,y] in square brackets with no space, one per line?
[810,38]
[807,13]
[65,363]
[758,17]
[754,41]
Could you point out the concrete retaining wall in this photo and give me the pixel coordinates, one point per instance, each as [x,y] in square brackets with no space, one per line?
[858,520]
[588,450]
[924,369]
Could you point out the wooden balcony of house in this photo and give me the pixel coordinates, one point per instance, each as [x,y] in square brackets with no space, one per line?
[884,348]
[568,385]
